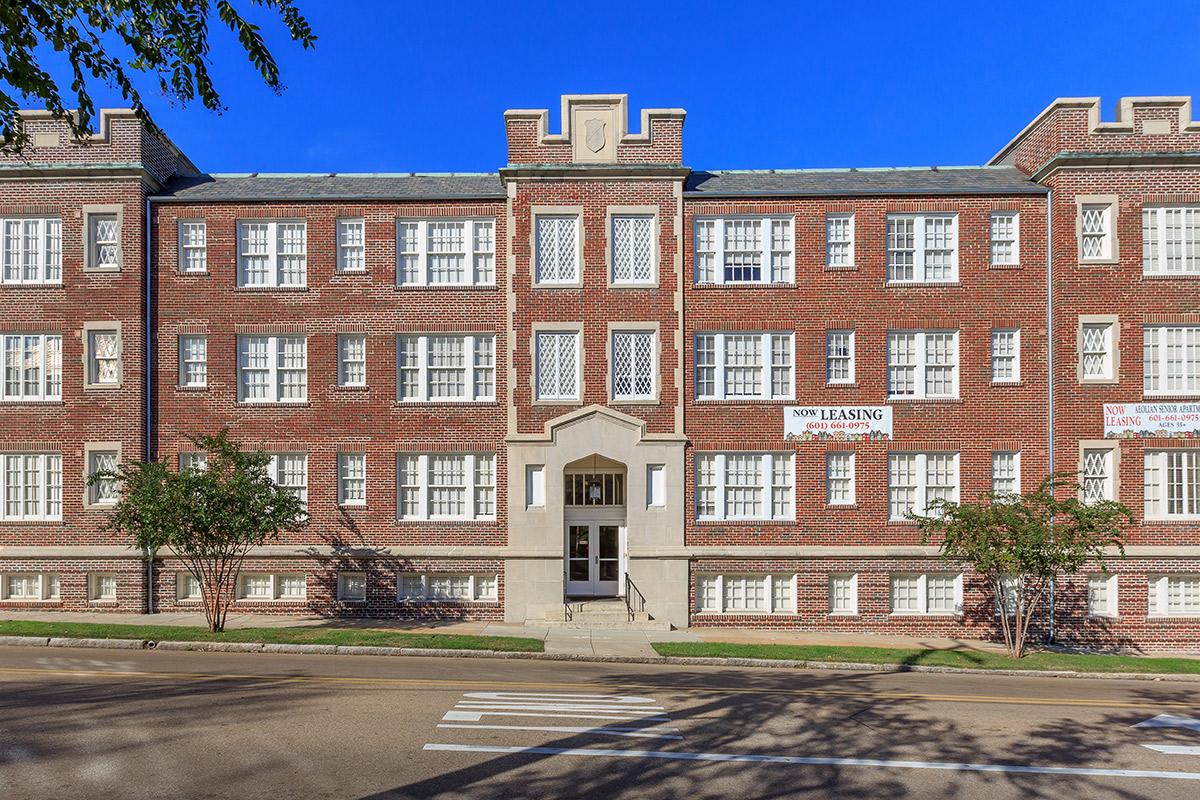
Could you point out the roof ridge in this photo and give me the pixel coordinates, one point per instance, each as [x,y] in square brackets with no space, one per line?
[352,174]
[802,170]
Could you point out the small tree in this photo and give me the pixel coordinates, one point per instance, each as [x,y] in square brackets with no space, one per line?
[208,517]
[1020,543]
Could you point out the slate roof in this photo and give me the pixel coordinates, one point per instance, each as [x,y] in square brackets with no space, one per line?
[333,186]
[857,182]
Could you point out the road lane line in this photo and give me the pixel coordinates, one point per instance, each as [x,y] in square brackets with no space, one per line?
[473,716]
[1170,721]
[814,761]
[1174,749]
[601,731]
[563,707]
[551,697]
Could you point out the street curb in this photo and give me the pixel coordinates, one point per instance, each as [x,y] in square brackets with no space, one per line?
[682,661]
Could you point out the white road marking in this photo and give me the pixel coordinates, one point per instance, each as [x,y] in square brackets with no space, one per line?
[626,711]
[641,733]
[473,716]
[1174,749]
[541,696]
[817,761]
[1170,721]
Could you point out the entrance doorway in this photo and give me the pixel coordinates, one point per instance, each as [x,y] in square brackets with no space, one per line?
[594,507]
[593,559]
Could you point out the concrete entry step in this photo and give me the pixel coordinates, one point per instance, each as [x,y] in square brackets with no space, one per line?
[608,613]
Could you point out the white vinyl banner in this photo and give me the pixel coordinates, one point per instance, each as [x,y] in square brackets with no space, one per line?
[837,423]
[1138,420]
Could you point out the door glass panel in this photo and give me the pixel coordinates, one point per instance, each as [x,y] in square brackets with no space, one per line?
[577,550]
[609,539]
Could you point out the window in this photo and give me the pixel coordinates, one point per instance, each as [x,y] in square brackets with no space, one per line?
[557,365]
[843,594]
[273,253]
[744,250]
[557,250]
[103,356]
[1171,360]
[1171,241]
[634,365]
[193,362]
[32,366]
[193,246]
[446,486]
[187,587]
[104,242]
[445,252]
[32,486]
[272,369]
[352,479]
[535,485]
[839,240]
[1096,351]
[352,587]
[290,471]
[922,248]
[1006,355]
[1095,232]
[1172,484]
[196,460]
[915,480]
[731,366]
[478,587]
[351,246]
[105,491]
[746,594]
[1102,595]
[605,488]
[927,593]
[1006,249]
[1174,595]
[839,357]
[656,485]
[31,250]
[839,479]
[1096,475]
[1006,473]
[352,359]
[29,586]
[633,249]
[102,587]
[922,364]
[445,368]
[272,586]
[732,486]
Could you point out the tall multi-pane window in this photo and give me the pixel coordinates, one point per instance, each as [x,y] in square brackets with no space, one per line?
[352,359]
[445,368]
[1006,473]
[749,366]
[556,258]
[352,479]
[1174,595]
[558,356]
[843,593]
[272,253]
[633,249]
[1102,595]
[31,250]
[103,357]
[744,250]
[1006,249]
[916,480]
[1095,231]
[32,366]
[446,486]
[922,248]
[445,252]
[839,478]
[193,361]
[1096,474]
[839,357]
[746,594]
[1096,351]
[927,593]
[1171,359]
[1006,355]
[1172,484]
[1171,241]
[104,241]
[272,369]
[351,245]
[922,364]
[290,471]
[733,486]
[32,484]
[839,240]
[634,365]
[193,246]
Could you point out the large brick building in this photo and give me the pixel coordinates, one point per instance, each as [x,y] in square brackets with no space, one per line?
[601,373]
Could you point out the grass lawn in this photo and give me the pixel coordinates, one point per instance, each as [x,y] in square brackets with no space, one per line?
[305,635]
[936,658]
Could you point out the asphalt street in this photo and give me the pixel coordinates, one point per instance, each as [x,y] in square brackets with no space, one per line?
[142,724]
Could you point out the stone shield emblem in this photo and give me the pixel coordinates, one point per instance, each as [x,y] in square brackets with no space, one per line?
[593,134]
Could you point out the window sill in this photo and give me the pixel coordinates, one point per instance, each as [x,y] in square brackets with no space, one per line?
[355,388]
[745,613]
[1168,617]
[623,286]
[831,385]
[843,614]
[1099,381]
[928,614]
[10,403]
[444,601]
[11,522]
[445,287]
[305,404]
[261,289]
[845,268]
[351,273]
[740,401]
[1105,262]
[756,522]
[558,286]
[647,401]
[101,270]
[910,400]
[921,284]
[1108,617]
[31,601]
[557,403]
[193,274]
[457,403]
[455,522]
[908,523]
[1170,521]
[99,506]
[191,388]
[346,601]
[1167,398]
[289,601]
[103,604]
[842,506]
[1149,276]
[352,506]
[1008,383]
[746,285]
[5,285]
[1004,266]
[101,387]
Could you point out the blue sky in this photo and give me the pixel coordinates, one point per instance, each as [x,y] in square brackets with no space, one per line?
[421,86]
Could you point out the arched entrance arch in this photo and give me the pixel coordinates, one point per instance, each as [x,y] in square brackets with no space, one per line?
[594,524]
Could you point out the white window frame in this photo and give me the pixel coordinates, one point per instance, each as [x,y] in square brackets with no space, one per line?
[1159,473]
[344,341]
[277,581]
[193,459]
[345,462]
[1107,356]
[344,594]
[920,250]
[846,457]
[1106,482]
[1013,355]
[273,370]
[476,467]
[766,365]
[16,347]
[635,220]
[415,256]
[767,486]
[559,395]
[921,488]
[767,587]
[923,608]
[95,243]
[831,337]
[15,486]
[636,369]
[184,581]
[999,469]
[1159,599]
[561,277]
[997,236]
[776,264]
[98,583]
[833,225]
[47,587]
[1104,235]
[851,608]
[277,470]
[472,372]
[1164,346]
[189,246]
[476,586]
[93,454]
[92,360]
[1160,249]
[36,265]
[200,365]
[1111,602]
[351,245]
[276,277]
[921,365]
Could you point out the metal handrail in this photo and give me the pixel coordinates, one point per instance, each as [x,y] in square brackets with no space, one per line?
[635,601]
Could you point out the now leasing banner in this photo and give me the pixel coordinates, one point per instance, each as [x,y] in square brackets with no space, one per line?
[1139,420]
[837,423]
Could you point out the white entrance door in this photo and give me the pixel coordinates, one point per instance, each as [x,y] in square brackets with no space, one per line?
[593,559]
